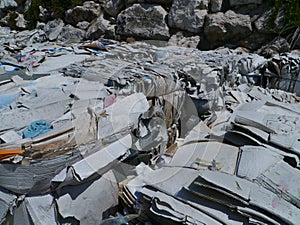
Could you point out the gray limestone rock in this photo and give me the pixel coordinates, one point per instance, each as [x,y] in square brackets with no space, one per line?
[226,27]
[21,23]
[188,15]
[44,14]
[143,21]
[83,25]
[216,5]
[87,12]
[114,7]
[98,28]
[53,28]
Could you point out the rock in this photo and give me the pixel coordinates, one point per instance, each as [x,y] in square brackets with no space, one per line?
[110,32]
[83,25]
[14,20]
[143,21]
[87,12]
[71,34]
[114,7]
[276,46]
[244,2]
[53,28]
[21,23]
[180,39]
[6,5]
[100,27]
[40,26]
[223,28]
[216,5]
[45,14]
[188,15]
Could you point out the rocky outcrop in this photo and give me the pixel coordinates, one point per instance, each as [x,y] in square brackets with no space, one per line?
[143,21]
[226,27]
[246,23]
[87,12]
[188,15]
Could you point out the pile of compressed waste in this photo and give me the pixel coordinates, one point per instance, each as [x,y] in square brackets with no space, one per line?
[111,133]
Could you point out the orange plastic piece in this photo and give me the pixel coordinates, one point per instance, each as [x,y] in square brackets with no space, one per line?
[6,153]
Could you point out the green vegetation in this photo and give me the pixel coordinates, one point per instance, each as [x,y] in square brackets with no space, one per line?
[292,13]
[291,9]
[56,7]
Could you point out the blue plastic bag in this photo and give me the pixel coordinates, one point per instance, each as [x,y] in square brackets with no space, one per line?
[37,128]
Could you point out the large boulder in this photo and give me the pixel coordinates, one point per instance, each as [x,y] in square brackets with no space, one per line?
[143,21]
[71,34]
[87,12]
[188,15]
[53,28]
[223,28]
[100,27]
[114,7]
[244,2]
